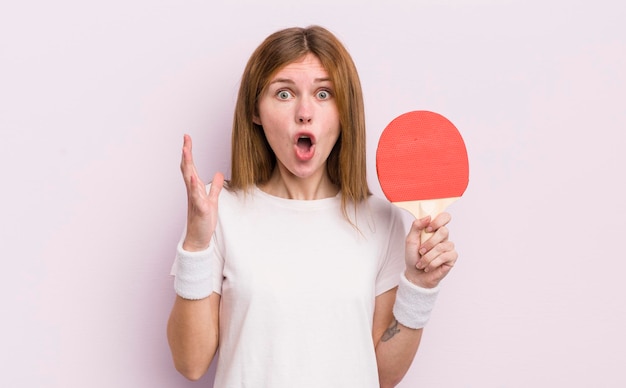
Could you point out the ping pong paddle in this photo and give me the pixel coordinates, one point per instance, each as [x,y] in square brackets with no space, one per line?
[422,164]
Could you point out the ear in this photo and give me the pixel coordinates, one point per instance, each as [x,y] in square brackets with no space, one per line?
[257,120]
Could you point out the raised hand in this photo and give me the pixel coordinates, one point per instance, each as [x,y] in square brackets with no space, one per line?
[201,207]
[429,262]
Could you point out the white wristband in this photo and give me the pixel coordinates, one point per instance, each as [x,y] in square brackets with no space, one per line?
[414,303]
[193,273]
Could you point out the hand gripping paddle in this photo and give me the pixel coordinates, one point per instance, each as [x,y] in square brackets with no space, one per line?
[421,162]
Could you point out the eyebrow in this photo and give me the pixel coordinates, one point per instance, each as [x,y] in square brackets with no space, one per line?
[290,81]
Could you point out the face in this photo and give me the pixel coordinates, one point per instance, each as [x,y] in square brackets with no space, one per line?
[300,117]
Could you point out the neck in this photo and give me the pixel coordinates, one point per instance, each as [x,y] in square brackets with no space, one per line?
[283,184]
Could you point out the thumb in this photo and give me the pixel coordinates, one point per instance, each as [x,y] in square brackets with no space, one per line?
[216,186]
[417,228]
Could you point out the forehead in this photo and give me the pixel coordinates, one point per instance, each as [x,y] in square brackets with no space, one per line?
[306,66]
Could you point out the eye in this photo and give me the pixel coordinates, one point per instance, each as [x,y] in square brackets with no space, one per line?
[323,94]
[283,94]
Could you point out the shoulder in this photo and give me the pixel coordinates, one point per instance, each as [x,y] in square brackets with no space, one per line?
[378,202]
[382,207]
[226,190]
[227,197]
[379,211]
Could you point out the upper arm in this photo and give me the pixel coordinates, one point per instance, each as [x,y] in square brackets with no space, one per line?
[383,314]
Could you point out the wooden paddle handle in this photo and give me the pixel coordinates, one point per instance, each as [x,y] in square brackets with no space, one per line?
[427,207]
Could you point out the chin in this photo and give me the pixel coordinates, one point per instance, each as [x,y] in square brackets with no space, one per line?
[303,173]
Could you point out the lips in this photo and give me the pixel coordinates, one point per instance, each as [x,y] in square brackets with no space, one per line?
[305,146]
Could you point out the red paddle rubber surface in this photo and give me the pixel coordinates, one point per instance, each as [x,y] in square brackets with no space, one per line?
[421,155]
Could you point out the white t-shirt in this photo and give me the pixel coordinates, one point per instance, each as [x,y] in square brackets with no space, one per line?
[298,285]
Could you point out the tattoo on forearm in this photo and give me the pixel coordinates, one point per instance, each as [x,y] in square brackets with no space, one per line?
[391,331]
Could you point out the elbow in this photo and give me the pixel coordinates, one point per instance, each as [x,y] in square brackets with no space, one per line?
[390,380]
[191,376]
[389,383]
[191,366]
[191,372]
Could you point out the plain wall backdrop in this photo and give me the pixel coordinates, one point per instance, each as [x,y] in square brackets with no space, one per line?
[95,98]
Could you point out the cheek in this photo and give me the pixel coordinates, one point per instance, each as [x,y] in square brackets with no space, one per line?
[276,141]
[334,131]
[335,124]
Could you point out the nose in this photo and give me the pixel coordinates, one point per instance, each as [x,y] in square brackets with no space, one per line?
[304,114]
[304,119]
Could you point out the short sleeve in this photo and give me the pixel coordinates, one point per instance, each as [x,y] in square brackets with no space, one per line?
[392,261]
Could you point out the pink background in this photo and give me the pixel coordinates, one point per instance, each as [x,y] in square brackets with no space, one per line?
[95,98]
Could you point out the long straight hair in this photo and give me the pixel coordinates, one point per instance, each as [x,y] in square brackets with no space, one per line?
[252,159]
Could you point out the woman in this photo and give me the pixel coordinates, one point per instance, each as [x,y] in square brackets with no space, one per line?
[302,277]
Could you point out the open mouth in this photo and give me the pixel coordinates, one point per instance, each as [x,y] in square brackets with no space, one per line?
[305,147]
[304,143]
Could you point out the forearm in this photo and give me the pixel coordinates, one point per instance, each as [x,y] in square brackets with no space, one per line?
[395,352]
[193,334]
[193,327]
[402,314]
